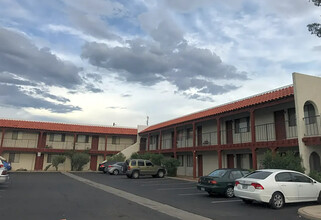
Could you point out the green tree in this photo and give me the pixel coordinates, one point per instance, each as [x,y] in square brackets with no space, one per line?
[315,28]
[117,157]
[171,165]
[289,161]
[78,159]
[58,159]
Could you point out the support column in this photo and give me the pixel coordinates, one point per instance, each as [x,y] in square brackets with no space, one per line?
[148,142]
[75,140]
[252,119]
[175,142]
[2,138]
[39,155]
[218,128]
[160,141]
[194,164]
[219,155]
[254,159]
[194,135]
[105,153]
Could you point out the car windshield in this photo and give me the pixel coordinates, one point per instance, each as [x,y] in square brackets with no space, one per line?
[217,173]
[261,175]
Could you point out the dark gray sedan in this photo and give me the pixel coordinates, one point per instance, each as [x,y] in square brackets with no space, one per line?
[117,168]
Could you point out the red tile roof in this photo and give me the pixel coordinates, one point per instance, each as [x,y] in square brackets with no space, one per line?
[60,127]
[254,100]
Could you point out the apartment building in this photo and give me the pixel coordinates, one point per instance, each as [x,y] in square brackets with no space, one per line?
[30,145]
[237,134]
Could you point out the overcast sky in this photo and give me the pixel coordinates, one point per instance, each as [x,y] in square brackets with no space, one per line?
[103,62]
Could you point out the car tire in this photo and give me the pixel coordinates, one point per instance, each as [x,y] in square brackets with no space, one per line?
[277,200]
[247,201]
[229,192]
[160,174]
[116,172]
[319,198]
[135,175]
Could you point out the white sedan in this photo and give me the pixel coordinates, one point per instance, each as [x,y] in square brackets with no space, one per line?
[277,187]
[4,177]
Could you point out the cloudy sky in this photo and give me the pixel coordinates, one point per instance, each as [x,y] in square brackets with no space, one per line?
[104,61]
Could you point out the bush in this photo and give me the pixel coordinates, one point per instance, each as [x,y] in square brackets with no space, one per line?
[58,159]
[171,165]
[289,161]
[78,160]
[117,158]
[315,175]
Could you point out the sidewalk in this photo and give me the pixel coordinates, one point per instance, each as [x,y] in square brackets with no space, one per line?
[311,212]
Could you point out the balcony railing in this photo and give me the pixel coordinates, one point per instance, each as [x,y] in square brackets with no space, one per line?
[273,131]
[312,126]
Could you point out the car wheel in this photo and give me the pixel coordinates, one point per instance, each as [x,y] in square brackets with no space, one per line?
[319,198]
[277,200]
[247,201]
[161,174]
[135,175]
[229,192]
[116,172]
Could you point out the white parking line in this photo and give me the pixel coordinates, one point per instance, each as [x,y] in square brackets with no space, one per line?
[192,194]
[160,207]
[236,200]
[176,188]
[163,184]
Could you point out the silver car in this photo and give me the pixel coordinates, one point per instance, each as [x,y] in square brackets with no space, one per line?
[4,177]
[117,168]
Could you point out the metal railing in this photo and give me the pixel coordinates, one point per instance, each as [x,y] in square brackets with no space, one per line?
[208,138]
[267,132]
[24,143]
[233,136]
[312,125]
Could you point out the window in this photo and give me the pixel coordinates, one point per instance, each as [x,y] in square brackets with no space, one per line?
[283,177]
[239,159]
[181,160]
[235,174]
[242,125]
[58,137]
[300,178]
[261,175]
[83,138]
[141,163]
[115,140]
[15,135]
[149,164]
[309,114]
[14,158]
[189,133]
[134,163]
[218,173]
[189,162]
[180,135]
[292,117]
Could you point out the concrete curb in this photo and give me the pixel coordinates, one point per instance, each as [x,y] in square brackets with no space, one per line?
[182,178]
[311,212]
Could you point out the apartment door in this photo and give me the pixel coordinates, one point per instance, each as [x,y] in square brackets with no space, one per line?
[230,161]
[199,136]
[200,165]
[157,140]
[93,162]
[94,143]
[280,133]
[229,132]
[142,146]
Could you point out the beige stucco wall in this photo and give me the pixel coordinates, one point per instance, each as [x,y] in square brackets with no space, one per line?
[25,139]
[210,162]
[67,144]
[26,161]
[306,88]
[124,142]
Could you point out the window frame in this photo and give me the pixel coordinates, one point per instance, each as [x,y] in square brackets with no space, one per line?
[239,122]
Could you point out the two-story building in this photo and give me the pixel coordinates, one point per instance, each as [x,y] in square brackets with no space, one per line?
[237,134]
[30,145]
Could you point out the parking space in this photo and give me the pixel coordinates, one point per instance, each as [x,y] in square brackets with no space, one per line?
[184,195]
[56,196]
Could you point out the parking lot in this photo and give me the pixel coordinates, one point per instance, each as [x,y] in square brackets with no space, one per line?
[57,196]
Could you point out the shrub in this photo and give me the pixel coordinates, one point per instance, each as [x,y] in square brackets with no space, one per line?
[315,175]
[78,160]
[58,159]
[171,165]
[289,161]
[117,158]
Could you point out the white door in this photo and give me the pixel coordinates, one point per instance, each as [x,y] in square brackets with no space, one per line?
[307,189]
[287,186]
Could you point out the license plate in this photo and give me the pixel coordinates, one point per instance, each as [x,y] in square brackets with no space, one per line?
[244,187]
[202,188]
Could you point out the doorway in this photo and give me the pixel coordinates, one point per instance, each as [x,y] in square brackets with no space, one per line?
[230,160]
[200,165]
[280,132]
[229,132]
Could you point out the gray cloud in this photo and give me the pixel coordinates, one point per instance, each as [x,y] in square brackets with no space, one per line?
[95,77]
[11,95]
[115,107]
[126,95]
[45,94]
[92,88]
[10,78]
[21,57]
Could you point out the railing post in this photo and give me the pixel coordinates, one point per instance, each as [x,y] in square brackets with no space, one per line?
[252,119]
[194,164]
[194,135]
[218,128]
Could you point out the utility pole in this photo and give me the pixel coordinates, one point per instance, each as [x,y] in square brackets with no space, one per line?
[147,120]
